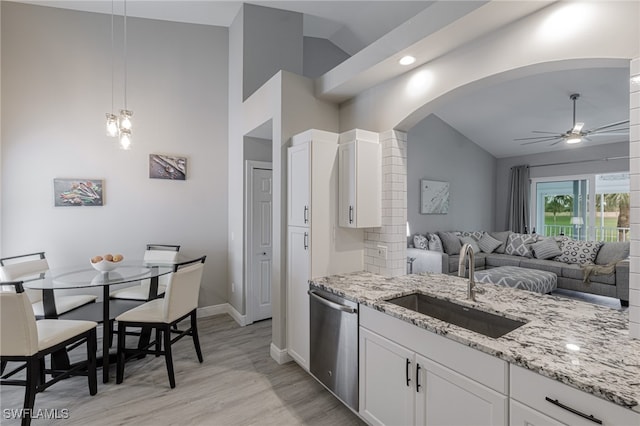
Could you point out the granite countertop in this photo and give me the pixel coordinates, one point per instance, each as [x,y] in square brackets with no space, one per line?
[607,363]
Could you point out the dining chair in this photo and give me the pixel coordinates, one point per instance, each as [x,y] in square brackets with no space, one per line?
[25,340]
[34,266]
[180,302]
[155,253]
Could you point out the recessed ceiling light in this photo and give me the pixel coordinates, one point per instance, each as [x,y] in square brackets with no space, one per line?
[407,60]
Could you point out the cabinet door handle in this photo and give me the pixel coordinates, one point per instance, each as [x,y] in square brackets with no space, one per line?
[350,214]
[306,214]
[573,410]
[418,378]
[406,371]
[306,240]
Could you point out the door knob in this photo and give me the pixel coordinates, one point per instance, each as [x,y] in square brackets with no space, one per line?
[264,253]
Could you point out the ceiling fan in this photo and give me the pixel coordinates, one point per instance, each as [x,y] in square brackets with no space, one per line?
[576,134]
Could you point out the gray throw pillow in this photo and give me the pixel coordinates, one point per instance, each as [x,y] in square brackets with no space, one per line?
[488,244]
[502,236]
[520,244]
[476,235]
[613,252]
[435,244]
[420,242]
[579,252]
[471,241]
[450,242]
[546,249]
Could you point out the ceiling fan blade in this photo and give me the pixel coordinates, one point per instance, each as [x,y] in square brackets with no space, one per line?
[542,140]
[539,137]
[556,142]
[607,126]
[613,133]
[550,133]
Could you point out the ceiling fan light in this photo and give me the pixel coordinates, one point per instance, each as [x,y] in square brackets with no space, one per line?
[574,139]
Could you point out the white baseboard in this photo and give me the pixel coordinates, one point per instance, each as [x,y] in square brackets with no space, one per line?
[279,355]
[223,308]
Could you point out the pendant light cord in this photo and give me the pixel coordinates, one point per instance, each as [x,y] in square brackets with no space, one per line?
[112,60]
[125,55]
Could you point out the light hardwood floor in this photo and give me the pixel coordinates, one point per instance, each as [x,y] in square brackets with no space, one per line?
[238,384]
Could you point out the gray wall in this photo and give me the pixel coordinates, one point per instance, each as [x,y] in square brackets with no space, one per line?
[56,89]
[268,45]
[257,149]
[320,56]
[576,156]
[436,151]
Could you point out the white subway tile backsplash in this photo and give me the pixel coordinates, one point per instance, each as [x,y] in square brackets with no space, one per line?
[634,297]
[634,280]
[634,100]
[634,133]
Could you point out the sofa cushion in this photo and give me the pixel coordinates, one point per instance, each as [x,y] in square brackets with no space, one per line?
[450,242]
[496,259]
[543,265]
[488,244]
[612,252]
[471,241]
[434,243]
[479,261]
[520,244]
[420,242]
[502,236]
[546,248]
[578,252]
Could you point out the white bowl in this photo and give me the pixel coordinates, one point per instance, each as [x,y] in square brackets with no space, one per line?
[104,265]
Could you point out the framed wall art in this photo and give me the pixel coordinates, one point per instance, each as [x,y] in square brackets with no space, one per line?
[167,167]
[78,192]
[434,197]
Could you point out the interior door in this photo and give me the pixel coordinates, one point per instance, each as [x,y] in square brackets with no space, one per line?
[261,243]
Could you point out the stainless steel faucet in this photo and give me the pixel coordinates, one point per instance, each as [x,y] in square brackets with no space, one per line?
[471,286]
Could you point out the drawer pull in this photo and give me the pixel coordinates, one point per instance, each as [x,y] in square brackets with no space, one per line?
[572,410]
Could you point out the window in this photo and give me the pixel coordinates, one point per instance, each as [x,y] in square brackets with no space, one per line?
[593,207]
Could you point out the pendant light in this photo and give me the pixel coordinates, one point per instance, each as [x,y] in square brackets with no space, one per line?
[120,126]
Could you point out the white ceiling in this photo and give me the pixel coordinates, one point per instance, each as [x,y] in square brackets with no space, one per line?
[491,117]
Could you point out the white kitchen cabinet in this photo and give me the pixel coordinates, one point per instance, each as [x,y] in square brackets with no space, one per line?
[360,184]
[564,404]
[521,415]
[298,271]
[386,370]
[311,165]
[399,386]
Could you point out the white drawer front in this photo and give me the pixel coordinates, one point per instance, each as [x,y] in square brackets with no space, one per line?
[534,390]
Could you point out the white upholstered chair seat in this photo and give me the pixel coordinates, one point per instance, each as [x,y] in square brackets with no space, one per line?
[139,292]
[64,303]
[51,332]
[152,311]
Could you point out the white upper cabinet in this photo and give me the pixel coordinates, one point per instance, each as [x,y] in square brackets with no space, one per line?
[360,181]
[299,185]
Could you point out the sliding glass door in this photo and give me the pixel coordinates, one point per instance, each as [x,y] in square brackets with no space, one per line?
[594,207]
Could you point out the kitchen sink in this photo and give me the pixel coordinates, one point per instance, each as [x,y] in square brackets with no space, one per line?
[490,325]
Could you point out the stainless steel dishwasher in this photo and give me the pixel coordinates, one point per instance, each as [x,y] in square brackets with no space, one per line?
[334,344]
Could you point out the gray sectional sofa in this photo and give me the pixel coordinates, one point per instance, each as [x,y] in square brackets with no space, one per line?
[571,276]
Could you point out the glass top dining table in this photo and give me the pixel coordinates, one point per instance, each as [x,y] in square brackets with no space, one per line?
[85,276]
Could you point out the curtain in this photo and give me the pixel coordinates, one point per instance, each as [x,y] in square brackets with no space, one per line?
[518,215]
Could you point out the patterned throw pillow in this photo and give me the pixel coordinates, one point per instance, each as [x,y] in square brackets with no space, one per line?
[420,242]
[501,236]
[520,244]
[476,235]
[435,244]
[579,252]
[546,248]
[488,244]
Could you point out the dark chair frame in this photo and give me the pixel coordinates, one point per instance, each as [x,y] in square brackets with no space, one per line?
[162,340]
[35,381]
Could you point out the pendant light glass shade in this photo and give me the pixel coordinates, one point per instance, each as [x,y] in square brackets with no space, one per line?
[112,125]
[125,139]
[125,119]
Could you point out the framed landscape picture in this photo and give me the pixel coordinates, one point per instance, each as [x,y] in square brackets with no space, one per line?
[434,197]
[78,192]
[167,167]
